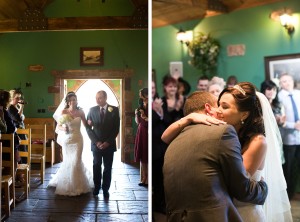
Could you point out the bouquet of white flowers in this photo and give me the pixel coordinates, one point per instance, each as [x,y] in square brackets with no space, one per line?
[64,120]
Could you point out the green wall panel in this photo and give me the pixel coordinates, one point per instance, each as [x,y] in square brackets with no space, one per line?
[251,27]
[60,51]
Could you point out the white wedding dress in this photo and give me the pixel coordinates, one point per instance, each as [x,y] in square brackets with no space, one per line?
[251,212]
[72,178]
[277,207]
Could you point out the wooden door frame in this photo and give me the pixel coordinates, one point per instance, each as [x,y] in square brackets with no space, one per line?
[123,74]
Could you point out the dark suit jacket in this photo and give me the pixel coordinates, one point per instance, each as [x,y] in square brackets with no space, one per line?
[11,129]
[108,130]
[203,171]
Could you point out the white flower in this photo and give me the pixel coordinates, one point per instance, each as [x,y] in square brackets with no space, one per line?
[110,109]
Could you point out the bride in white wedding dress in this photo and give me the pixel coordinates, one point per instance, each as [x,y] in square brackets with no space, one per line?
[277,206]
[251,115]
[72,178]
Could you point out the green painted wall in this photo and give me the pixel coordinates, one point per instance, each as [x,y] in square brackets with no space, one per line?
[251,27]
[59,51]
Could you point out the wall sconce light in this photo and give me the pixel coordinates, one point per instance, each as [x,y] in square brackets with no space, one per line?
[285,18]
[184,36]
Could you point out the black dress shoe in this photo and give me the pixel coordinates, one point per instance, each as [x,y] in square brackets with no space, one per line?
[106,195]
[95,192]
[143,184]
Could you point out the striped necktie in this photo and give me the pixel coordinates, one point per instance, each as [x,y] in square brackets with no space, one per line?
[102,114]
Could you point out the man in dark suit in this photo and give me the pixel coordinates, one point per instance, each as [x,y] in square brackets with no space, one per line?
[203,170]
[104,120]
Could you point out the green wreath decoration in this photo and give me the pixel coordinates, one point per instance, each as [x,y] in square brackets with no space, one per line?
[204,51]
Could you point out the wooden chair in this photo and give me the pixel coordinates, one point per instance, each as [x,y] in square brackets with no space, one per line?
[8,174]
[24,168]
[50,136]
[38,148]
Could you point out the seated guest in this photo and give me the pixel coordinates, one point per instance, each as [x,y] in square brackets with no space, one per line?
[4,102]
[3,126]
[15,110]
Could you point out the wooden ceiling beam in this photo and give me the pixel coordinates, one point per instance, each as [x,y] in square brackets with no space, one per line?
[78,23]
[169,12]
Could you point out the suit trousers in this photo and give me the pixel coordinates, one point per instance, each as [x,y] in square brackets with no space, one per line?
[107,157]
[158,197]
[292,157]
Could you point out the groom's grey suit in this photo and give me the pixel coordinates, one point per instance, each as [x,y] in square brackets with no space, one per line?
[203,171]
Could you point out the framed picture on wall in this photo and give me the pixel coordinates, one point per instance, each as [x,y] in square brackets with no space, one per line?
[279,64]
[91,56]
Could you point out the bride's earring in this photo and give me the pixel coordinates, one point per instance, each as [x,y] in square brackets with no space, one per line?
[242,122]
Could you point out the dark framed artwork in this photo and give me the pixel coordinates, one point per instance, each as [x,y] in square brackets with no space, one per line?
[91,56]
[279,64]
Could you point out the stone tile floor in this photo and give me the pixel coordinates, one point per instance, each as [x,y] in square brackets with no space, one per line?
[128,201]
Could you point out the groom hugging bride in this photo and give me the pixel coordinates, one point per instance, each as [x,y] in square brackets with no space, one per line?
[227,172]
[102,125]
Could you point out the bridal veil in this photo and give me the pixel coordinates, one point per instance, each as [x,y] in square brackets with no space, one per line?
[277,206]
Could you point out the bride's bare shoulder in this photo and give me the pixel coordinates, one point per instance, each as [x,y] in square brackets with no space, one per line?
[258,138]
[256,142]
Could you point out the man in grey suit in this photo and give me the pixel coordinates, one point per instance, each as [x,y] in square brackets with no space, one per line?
[203,170]
[104,120]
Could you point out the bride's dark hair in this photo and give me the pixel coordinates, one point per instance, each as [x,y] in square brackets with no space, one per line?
[68,97]
[246,99]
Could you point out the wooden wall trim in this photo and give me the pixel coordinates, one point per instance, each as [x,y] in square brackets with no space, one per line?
[93,74]
[77,23]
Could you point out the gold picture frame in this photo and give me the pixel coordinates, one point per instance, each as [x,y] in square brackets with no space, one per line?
[91,56]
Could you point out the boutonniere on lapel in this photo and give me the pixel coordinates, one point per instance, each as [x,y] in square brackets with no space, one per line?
[110,109]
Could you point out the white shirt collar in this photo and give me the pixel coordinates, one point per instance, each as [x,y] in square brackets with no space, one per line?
[104,107]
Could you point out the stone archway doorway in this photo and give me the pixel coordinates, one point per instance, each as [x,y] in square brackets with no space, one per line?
[125,95]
